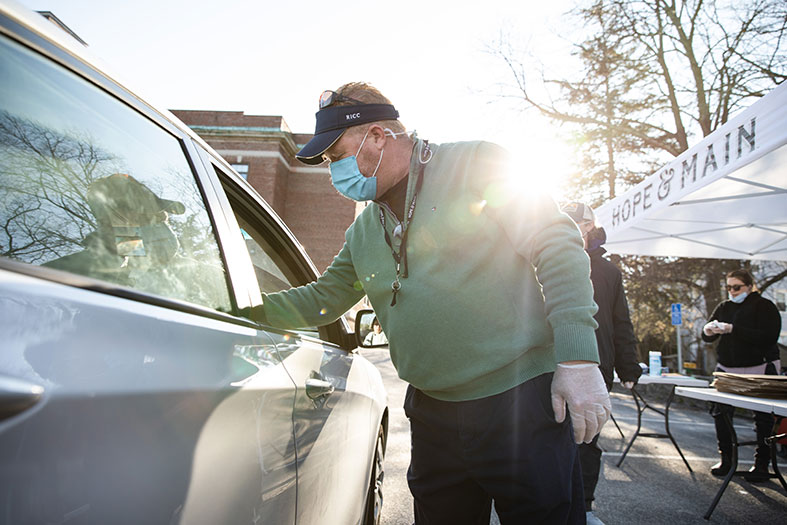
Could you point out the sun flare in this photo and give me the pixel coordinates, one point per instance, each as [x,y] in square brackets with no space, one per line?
[541,165]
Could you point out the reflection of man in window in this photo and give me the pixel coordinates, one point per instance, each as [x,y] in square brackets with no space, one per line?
[134,244]
[134,220]
[376,336]
[132,233]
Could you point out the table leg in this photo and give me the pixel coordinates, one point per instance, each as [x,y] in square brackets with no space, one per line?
[666,427]
[772,442]
[641,409]
[616,425]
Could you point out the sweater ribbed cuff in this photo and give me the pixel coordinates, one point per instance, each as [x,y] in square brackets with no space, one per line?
[575,342]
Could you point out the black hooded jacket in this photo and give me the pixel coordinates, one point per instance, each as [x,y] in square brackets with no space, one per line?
[756,324]
[617,345]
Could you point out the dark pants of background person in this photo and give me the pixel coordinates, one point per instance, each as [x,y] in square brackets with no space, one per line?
[506,447]
[763,426]
[590,459]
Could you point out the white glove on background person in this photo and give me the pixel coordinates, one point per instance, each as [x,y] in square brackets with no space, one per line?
[582,387]
[725,328]
[716,327]
[628,384]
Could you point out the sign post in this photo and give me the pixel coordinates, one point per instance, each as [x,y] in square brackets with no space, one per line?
[676,322]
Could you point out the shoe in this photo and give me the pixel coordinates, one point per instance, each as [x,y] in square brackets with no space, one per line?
[592,519]
[757,474]
[722,468]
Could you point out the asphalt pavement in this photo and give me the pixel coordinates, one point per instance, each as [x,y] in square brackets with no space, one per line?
[652,486]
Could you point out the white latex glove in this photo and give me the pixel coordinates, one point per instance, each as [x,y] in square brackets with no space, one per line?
[628,384]
[582,388]
[717,327]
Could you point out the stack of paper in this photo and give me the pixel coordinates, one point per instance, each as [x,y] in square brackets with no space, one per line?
[757,385]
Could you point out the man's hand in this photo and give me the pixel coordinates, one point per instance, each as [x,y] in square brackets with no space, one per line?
[256,313]
[628,385]
[581,386]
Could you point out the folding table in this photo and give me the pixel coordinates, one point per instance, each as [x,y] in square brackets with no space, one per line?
[777,407]
[669,379]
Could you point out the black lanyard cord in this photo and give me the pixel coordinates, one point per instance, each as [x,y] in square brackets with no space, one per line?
[400,258]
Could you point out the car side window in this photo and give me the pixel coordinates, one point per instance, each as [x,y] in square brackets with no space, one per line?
[274,265]
[267,264]
[92,187]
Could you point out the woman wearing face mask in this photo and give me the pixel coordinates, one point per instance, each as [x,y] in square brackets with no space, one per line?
[747,326]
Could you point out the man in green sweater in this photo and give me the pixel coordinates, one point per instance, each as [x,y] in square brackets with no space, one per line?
[485,296]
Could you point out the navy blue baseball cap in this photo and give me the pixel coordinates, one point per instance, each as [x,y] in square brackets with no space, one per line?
[333,121]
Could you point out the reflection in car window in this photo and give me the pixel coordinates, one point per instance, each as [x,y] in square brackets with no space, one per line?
[92,187]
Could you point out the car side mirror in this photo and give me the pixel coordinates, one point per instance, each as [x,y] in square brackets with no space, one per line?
[368,332]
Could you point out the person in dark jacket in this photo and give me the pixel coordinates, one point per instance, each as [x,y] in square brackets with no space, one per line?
[615,334]
[747,327]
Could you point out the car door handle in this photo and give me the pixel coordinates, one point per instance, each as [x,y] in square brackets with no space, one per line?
[317,388]
[17,395]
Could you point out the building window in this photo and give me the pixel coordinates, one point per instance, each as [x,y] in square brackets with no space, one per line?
[242,169]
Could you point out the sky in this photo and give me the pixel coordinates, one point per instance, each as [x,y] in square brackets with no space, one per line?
[430,57]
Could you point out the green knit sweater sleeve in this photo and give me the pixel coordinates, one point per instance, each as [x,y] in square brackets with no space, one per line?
[317,303]
[551,242]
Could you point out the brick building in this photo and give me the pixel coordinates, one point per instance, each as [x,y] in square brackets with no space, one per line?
[262,149]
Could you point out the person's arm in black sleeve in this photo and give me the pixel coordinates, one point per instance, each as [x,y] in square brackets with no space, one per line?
[626,357]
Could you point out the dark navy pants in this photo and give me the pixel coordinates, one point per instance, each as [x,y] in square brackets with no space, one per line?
[590,459]
[507,448]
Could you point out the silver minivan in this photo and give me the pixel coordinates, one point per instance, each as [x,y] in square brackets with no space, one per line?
[131,390]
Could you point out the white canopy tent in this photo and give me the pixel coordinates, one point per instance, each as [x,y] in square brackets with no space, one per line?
[726,197]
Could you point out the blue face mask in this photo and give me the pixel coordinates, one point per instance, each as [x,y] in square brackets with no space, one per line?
[350,182]
[739,298]
[348,179]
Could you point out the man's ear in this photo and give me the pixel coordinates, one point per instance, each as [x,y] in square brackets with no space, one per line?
[377,136]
